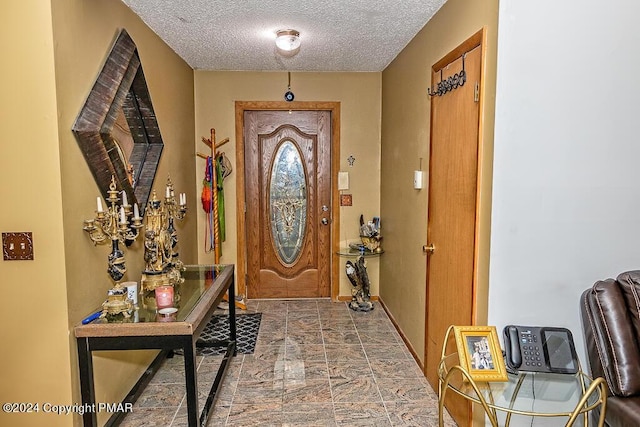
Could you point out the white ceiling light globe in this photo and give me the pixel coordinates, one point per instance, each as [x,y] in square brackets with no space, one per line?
[288,40]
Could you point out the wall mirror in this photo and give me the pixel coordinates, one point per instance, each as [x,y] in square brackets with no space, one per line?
[117,129]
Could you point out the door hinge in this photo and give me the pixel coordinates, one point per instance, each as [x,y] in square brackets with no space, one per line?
[476,92]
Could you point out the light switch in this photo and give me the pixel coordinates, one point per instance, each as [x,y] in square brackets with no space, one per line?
[343,180]
[17,246]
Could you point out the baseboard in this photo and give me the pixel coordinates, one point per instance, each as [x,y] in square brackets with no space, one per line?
[349,298]
[402,335]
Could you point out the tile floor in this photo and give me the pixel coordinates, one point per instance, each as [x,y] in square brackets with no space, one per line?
[316,363]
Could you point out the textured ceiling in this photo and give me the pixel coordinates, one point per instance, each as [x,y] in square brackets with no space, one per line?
[337,35]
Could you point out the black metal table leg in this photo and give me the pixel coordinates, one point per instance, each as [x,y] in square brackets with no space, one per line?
[226,360]
[87,390]
[191,380]
[232,315]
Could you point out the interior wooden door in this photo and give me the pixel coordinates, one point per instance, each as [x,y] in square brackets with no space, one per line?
[451,228]
[288,203]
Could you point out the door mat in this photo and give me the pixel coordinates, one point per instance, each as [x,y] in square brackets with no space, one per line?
[247,327]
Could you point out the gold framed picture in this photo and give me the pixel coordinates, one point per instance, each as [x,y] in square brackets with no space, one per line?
[480,353]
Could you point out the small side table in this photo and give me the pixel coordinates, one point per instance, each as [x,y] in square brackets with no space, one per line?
[532,394]
[348,252]
[357,274]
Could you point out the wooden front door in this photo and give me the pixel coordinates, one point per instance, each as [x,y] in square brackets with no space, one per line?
[288,203]
[451,228]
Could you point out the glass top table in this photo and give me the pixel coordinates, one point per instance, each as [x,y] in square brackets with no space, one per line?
[197,280]
[533,394]
[194,303]
[356,252]
[201,282]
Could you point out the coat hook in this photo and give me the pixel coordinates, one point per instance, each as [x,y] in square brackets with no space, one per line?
[450,83]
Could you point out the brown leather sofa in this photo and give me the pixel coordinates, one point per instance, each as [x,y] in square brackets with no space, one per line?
[611,322]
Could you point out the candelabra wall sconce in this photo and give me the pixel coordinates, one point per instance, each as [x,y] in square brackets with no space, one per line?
[162,262]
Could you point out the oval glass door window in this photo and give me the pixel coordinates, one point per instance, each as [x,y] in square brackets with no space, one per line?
[288,197]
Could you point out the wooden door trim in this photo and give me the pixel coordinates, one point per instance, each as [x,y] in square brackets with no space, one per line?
[476,40]
[240,108]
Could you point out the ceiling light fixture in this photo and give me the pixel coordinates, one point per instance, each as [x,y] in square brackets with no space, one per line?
[288,40]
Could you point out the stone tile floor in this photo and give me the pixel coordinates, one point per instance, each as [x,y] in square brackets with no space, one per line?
[316,363]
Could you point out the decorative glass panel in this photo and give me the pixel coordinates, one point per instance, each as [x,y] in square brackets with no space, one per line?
[288,201]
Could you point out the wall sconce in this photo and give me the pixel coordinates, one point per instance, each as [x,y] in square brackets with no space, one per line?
[288,41]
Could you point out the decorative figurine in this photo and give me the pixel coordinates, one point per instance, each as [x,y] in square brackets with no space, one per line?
[361,292]
[162,265]
[117,302]
[370,234]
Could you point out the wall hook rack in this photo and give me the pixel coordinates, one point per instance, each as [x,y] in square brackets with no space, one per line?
[450,83]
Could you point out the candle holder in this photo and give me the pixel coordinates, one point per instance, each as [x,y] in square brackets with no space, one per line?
[116,224]
[162,262]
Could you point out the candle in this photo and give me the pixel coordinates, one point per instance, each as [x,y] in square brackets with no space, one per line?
[124,198]
[183,199]
[99,204]
[167,193]
[136,212]
[164,296]
[122,218]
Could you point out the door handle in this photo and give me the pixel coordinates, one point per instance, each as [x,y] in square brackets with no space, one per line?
[324,221]
[429,249]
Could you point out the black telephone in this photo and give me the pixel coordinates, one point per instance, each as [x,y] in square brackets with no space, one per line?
[540,349]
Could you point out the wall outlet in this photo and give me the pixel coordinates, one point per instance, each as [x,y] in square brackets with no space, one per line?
[17,246]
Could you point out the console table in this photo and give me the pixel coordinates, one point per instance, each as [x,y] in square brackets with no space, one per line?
[195,300]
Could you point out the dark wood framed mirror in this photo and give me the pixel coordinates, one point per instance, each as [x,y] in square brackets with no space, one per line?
[117,129]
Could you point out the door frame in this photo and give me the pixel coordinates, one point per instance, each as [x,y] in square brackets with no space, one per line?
[240,108]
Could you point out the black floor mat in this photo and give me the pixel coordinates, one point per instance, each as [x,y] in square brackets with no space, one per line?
[247,327]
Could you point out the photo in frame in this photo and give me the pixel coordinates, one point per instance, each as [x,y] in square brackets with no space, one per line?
[480,353]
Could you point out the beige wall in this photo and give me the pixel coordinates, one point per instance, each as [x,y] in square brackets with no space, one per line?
[50,190]
[33,319]
[359,97]
[405,140]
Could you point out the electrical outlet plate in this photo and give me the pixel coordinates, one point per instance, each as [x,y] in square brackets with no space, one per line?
[17,246]
[346,200]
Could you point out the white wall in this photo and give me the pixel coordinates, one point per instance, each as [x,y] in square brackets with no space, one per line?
[566,195]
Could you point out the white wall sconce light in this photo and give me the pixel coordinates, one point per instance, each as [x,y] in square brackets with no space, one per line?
[288,41]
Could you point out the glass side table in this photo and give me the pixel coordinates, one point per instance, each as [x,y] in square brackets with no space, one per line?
[532,394]
[357,274]
[349,252]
